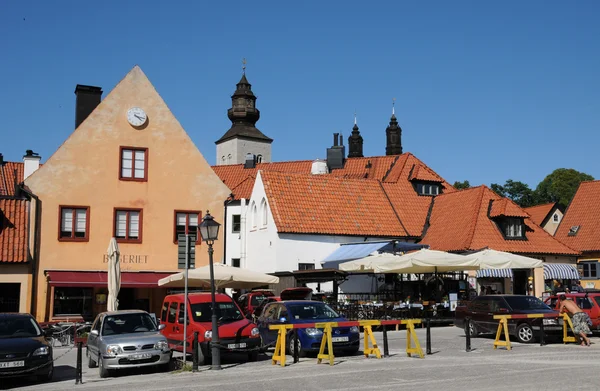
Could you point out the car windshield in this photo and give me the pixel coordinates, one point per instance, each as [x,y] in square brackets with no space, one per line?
[128,323]
[525,303]
[226,312]
[597,299]
[19,327]
[257,300]
[307,311]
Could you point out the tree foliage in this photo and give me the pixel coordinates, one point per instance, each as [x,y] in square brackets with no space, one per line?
[517,191]
[560,186]
[462,185]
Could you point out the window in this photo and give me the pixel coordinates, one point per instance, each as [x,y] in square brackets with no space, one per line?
[254,215]
[513,228]
[590,269]
[306,266]
[172,312]
[186,223]
[428,189]
[128,225]
[74,223]
[263,213]
[229,159]
[134,164]
[165,310]
[259,158]
[73,302]
[235,262]
[236,225]
[573,230]
[556,218]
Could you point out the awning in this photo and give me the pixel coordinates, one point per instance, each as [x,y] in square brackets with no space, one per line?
[350,251]
[560,271]
[99,279]
[494,273]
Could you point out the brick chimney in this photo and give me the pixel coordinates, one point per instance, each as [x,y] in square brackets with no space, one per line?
[88,98]
[31,162]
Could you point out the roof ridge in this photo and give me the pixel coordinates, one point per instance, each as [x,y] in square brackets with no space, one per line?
[471,236]
[387,197]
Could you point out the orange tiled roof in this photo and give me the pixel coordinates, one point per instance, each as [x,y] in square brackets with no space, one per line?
[422,173]
[459,222]
[7,177]
[539,213]
[325,204]
[13,230]
[583,211]
[506,207]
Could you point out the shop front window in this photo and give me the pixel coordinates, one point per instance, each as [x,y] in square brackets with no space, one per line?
[73,302]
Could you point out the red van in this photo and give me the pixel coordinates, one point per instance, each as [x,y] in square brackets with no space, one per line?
[235,331]
[248,302]
[589,302]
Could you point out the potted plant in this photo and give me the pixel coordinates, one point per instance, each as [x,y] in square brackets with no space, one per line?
[81,337]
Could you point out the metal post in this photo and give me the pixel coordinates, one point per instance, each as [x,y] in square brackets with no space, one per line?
[78,370]
[386,348]
[185,295]
[542,341]
[468,333]
[216,350]
[428,321]
[296,347]
[195,352]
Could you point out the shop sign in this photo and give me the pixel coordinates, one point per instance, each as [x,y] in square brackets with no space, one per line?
[126,258]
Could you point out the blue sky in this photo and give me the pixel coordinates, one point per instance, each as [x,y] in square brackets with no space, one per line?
[485,91]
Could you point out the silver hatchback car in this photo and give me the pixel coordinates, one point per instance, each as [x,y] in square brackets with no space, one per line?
[126,339]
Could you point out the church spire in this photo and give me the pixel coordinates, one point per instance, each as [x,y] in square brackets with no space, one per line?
[393,134]
[355,141]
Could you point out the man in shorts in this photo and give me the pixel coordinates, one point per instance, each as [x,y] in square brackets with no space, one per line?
[579,318]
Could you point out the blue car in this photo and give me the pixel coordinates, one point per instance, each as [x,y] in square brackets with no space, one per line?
[345,339]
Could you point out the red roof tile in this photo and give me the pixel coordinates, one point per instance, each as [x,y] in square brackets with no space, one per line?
[459,222]
[420,172]
[325,204]
[13,230]
[583,211]
[7,177]
[506,207]
[539,213]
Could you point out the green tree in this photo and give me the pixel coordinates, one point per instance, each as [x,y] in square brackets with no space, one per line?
[560,186]
[517,191]
[462,185]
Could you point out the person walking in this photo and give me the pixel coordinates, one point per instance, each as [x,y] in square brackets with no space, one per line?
[580,319]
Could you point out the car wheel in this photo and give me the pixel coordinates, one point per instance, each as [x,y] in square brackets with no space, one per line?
[291,348]
[472,331]
[525,333]
[201,356]
[91,362]
[253,356]
[104,373]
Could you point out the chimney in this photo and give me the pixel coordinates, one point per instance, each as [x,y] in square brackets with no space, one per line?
[88,98]
[335,139]
[31,162]
[336,155]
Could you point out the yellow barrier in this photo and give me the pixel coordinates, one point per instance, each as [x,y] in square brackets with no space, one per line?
[566,338]
[370,338]
[411,333]
[503,328]
[279,353]
[326,342]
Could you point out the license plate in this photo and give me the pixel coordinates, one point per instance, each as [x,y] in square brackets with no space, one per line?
[236,345]
[339,339]
[12,364]
[140,356]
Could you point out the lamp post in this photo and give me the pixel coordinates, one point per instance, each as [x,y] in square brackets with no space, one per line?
[209,230]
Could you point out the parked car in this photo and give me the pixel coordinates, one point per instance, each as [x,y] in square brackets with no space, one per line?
[262,306]
[126,339]
[299,293]
[235,331]
[24,349]
[589,302]
[345,339]
[250,301]
[482,309]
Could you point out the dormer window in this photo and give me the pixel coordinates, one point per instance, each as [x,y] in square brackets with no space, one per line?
[556,218]
[428,189]
[513,228]
[573,230]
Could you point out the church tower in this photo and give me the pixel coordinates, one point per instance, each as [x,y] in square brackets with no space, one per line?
[243,137]
[355,142]
[393,135]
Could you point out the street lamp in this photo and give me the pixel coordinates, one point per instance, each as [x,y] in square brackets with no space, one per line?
[209,230]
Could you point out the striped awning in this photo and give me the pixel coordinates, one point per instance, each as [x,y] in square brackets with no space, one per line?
[495,273]
[560,271]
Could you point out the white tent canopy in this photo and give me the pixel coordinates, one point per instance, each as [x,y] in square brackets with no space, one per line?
[225,277]
[492,259]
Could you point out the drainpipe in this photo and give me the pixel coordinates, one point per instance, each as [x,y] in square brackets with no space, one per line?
[36,245]
[243,234]
[225,232]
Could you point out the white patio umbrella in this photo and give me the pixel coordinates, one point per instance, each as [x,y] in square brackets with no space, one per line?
[114,275]
[225,277]
[492,259]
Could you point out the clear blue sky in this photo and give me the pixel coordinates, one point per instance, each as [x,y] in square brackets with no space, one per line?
[486,91]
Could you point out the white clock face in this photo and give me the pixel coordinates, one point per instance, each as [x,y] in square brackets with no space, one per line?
[136,116]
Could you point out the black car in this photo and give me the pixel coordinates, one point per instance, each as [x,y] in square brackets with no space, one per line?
[24,350]
[482,309]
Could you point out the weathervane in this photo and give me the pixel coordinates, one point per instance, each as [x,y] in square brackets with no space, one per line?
[354,116]
[244,65]
[393,106]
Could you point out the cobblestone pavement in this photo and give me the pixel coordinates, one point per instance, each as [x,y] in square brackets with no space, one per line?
[526,367]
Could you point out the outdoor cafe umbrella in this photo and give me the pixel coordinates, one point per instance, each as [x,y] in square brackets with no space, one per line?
[114,275]
[224,276]
[492,259]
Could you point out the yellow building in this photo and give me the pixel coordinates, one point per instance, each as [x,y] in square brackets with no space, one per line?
[129,171]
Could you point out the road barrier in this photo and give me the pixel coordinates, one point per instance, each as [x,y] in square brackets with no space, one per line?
[370,344]
[503,328]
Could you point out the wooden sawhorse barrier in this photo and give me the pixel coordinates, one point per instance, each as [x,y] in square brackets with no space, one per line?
[503,327]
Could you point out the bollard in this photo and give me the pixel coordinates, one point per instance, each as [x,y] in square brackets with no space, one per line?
[78,368]
[195,352]
[542,341]
[428,336]
[296,347]
[468,333]
[386,349]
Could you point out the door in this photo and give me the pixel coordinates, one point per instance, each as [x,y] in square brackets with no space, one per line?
[269,318]
[519,282]
[92,345]
[497,307]
[172,329]
[9,297]
[181,327]
[480,311]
